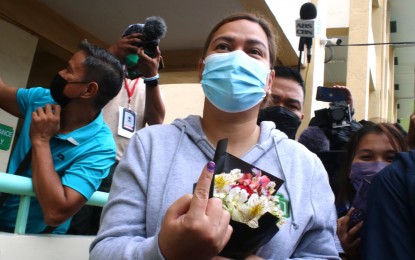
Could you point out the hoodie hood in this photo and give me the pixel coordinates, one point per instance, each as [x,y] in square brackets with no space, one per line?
[192,127]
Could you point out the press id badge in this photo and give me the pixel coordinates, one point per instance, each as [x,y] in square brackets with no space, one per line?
[126,122]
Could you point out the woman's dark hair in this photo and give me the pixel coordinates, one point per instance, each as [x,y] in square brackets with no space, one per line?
[395,137]
[265,25]
[104,69]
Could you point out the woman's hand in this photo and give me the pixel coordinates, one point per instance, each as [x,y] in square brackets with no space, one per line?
[195,226]
[349,238]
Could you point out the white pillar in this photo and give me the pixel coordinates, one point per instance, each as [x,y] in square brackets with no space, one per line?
[17,49]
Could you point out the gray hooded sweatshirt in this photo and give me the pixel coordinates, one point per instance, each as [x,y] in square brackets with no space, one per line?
[161,164]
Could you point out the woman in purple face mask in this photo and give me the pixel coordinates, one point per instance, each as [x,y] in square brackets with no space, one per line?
[369,150]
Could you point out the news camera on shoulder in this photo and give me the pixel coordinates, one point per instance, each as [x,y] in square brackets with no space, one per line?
[338,113]
[153,29]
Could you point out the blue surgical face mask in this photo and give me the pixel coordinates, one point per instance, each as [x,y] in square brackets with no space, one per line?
[365,171]
[233,81]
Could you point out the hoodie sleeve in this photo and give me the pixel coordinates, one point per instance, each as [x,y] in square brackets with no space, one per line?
[318,239]
[123,230]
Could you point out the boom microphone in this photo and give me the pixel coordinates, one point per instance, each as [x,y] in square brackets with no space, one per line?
[155,27]
[306,28]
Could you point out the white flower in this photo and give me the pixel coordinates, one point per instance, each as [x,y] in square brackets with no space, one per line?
[244,204]
[224,183]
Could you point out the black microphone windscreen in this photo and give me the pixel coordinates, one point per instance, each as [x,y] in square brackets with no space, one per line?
[308,11]
[155,27]
[314,139]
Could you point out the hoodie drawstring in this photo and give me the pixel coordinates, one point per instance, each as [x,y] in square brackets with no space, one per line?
[294,225]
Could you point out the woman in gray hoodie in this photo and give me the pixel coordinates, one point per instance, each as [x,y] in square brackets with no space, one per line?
[151,213]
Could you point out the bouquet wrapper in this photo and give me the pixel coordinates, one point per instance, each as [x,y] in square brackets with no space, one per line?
[244,240]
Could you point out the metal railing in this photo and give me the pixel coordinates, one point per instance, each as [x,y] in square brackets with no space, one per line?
[19,185]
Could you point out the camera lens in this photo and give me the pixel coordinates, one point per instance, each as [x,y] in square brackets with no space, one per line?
[338,114]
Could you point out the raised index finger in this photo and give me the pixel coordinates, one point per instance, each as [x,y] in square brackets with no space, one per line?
[201,193]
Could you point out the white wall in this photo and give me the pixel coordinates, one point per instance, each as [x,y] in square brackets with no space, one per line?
[406,108]
[338,13]
[39,247]
[286,12]
[182,100]
[17,49]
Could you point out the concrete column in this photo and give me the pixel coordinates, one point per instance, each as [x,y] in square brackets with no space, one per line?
[17,49]
[358,76]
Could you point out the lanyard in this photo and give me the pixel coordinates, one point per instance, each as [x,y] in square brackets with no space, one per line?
[130,91]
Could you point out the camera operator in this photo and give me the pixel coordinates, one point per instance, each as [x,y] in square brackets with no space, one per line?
[330,130]
[139,98]
[138,103]
[337,121]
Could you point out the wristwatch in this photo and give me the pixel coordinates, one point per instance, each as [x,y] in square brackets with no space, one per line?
[152,81]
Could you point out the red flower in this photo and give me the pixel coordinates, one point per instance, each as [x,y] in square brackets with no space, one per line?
[245,187]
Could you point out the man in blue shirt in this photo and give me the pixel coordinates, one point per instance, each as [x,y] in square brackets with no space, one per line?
[64,132]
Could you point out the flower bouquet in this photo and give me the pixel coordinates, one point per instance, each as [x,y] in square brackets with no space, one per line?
[248,194]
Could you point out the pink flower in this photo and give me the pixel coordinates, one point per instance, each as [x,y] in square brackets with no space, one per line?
[245,179]
[245,187]
[247,196]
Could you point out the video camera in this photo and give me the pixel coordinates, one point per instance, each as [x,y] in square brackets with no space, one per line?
[338,114]
[152,30]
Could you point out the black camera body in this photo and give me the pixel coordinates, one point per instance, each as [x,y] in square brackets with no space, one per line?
[152,31]
[337,115]
[148,43]
[336,120]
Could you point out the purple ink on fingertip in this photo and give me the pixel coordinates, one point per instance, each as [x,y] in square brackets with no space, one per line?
[210,166]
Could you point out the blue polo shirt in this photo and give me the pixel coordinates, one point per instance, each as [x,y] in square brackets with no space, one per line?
[82,158]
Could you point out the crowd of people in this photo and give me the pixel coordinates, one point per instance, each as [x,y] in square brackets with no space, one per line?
[95,129]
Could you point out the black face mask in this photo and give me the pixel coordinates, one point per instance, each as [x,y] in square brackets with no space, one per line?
[284,120]
[57,85]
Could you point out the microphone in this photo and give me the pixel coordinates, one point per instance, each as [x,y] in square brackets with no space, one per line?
[153,29]
[307,27]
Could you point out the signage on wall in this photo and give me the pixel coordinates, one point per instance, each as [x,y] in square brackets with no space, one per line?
[6,135]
